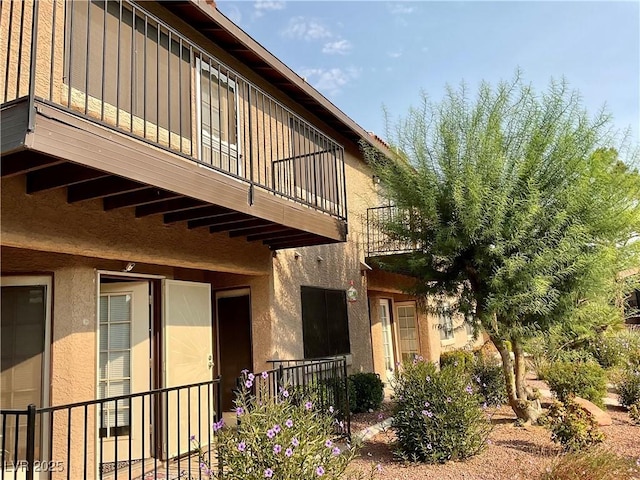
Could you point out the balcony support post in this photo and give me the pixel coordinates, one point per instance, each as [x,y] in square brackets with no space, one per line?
[32,68]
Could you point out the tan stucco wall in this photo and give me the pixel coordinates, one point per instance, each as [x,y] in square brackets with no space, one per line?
[46,222]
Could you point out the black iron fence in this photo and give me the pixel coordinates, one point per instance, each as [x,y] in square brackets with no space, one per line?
[142,435]
[380,239]
[115,63]
[322,379]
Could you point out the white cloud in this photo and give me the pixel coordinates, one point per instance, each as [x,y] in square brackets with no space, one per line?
[262,6]
[330,81]
[340,47]
[300,27]
[400,8]
[395,54]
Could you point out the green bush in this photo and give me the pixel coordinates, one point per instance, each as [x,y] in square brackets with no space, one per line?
[277,438]
[463,359]
[366,392]
[628,387]
[583,379]
[595,464]
[437,416]
[634,413]
[489,377]
[621,348]
[573,427]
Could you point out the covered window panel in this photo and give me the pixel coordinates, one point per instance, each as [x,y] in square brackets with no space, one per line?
[325,323]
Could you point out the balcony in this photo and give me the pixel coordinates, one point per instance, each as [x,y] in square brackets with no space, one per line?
[113,103]
[380,240]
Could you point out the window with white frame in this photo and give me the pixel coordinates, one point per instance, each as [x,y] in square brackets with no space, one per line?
[445,322]
[115,362]
[218,118]
[408,331]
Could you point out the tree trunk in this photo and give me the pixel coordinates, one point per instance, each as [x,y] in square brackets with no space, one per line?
[525,408]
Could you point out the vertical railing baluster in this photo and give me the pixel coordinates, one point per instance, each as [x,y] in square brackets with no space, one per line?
[53,45]
[115,432]
[32,66]
[86,63]
[180,95]
[23,7]
[85,456]
[143,430]
[104,58]
[166,428]
[144,77]
[31,441]
[7,77]
[118,64]
[68,464]
[133,76]
[178,452]
[189,429]
[130,436]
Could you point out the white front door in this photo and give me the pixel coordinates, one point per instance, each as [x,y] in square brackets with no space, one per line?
[124,368]
[387,338]
[188,359]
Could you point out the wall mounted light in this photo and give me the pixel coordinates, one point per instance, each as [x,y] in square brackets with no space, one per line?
[130,266]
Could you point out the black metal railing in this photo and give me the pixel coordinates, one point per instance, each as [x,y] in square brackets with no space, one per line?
[140,435]
[120,66]
[322,379]
[380,237]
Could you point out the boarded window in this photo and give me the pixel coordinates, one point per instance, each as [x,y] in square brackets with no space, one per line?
[142,70]
[325,323]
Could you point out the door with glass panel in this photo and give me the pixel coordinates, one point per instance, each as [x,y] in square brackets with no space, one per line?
[387,338]
[407,330]
[123,368]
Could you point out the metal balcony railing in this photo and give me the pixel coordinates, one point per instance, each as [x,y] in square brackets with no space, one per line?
[115,63]
[380,240]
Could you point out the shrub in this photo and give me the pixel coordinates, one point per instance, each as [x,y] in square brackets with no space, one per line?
[595,464]
[437,416]
[488,375]
[278,438]
[573,427]
[462,359]
[583,379]
[366,392]
[628,387]
[621,348]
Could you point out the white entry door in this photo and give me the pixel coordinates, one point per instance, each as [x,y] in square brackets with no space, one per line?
[387,338]
[188,359]
[123,368]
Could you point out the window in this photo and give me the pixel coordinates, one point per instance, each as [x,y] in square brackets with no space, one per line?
[408,331]
[445,322]
[115,362]
[325,324]
[218,118]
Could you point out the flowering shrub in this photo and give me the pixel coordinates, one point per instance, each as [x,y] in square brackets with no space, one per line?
[634,413]
[583,379]
[573,427]
[488,375]
[279,438]
[628,387]
[463,359]
[620,348]
[437,416]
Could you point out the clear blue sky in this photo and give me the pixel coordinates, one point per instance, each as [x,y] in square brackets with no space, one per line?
[365,54]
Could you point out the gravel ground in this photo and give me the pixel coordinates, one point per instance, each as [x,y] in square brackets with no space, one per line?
[512,452]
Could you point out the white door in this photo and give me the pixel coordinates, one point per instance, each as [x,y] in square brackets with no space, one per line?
[188,359]
[123,368]
[387,338]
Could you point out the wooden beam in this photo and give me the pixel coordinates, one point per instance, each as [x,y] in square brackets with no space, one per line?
[276,227]
[294,243]
[24,162]
[284,233]
[173,205]
[102,187]
[195,213]
[142,197]
[59,176]
[222,219]
[254,222]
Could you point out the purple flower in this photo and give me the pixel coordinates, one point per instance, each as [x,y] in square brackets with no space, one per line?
[484,405]
[426,404]
[218,425]
[271,433]
[427,413]
[468,389]
[320,471]
[242,447]
[428,379]
[276,428]
[239,411]
[248,384]
[289,423]
[448,399]
[192,438]
[285,393]
[380,416]
[295,442]
[288,452]
[268,473]
[335,451]
[429,446]
[203,465]
[379,467]
[251,376]
[308,405]
[264,375]
[277,449]
[244,371]
[328,444]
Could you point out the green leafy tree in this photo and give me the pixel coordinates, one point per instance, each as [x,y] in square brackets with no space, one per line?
[518,206]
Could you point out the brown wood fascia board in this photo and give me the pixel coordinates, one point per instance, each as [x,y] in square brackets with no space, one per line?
[14,118]
[67,136]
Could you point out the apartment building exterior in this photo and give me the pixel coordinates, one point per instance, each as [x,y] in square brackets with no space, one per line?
[177,205]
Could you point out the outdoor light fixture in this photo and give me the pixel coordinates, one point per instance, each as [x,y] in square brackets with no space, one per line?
[352,293]
[129,267]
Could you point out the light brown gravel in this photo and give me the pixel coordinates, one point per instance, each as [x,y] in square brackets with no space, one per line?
[512,453]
